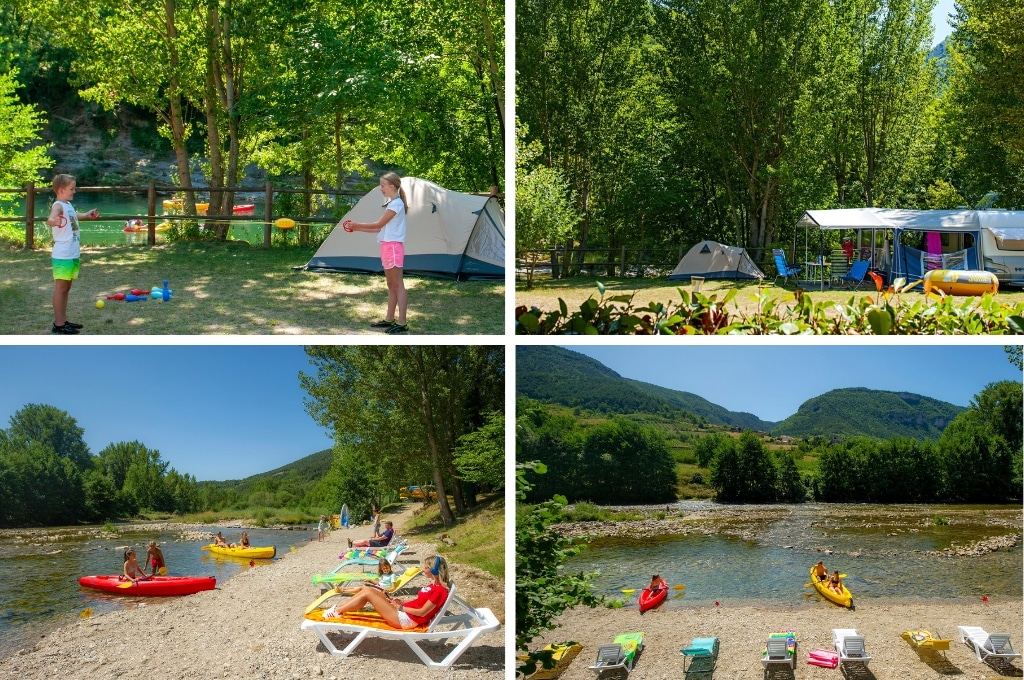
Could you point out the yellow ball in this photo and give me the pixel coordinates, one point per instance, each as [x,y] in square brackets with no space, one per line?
[100,304]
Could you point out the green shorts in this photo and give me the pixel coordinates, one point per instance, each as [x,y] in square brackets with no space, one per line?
[66,270]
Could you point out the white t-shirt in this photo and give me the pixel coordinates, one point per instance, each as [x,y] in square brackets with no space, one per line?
[65,238]
[394,230]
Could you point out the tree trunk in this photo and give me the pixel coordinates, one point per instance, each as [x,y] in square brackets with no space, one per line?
[212,111]
[177,116]
[427,414]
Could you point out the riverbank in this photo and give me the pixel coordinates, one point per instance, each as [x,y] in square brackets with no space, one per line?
[249,627]
[742,630]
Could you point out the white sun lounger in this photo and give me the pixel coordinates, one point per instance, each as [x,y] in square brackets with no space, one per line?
[468,624]
[850,646]
[986,646]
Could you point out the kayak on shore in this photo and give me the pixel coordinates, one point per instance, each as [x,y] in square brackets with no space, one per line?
[255,553]
[649,599]
[844,600]
[155,586]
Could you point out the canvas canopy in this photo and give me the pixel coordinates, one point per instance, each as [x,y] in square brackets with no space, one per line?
[713,260]
[906,261]
[448,234]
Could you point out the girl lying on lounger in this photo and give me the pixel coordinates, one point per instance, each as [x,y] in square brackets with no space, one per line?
[416,612]
[385,579]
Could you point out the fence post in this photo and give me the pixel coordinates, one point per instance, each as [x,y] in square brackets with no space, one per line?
[554,263]
[151,212]
[622,272]
[30,215]
[268,211]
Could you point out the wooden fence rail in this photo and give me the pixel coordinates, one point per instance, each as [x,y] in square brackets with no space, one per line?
[626,261]
[30,191]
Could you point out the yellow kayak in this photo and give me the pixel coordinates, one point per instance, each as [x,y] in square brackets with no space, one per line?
[248,553]
[845,600]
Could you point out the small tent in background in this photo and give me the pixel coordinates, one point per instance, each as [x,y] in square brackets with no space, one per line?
[448,234]
[712,260]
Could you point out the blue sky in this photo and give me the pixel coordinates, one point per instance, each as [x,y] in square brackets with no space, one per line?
[213,412]
[772,382]
[940,19]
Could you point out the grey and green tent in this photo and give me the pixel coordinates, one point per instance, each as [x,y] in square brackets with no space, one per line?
[448,234]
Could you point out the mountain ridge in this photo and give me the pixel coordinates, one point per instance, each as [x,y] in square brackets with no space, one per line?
[562,376]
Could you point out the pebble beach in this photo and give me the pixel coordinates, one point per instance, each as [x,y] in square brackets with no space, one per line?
[248,627]
[743,628]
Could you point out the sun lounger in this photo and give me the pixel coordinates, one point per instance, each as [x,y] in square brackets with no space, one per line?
[986,646]
[457,621]
[780,648]
[850,646]
[373,560]
[702,654]
[620,654]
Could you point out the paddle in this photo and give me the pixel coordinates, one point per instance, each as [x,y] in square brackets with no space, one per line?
[679,586]
[629,591]
[330,593]
[126,584]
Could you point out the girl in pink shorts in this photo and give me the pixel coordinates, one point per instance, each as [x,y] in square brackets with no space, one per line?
[390,230]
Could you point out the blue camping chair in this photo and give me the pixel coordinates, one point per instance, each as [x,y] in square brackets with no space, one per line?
[856,276]
[782,267]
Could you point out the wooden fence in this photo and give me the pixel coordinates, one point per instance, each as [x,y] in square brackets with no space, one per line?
[623,262]
[30,192]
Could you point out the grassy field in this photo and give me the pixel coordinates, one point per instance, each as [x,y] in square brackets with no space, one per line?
[233,289]
[546,292]
[479,535]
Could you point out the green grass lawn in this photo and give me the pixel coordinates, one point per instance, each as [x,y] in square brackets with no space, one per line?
[233,289]
[546,292]
[479,535]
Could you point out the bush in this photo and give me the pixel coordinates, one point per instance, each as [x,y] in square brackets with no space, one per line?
[698,314]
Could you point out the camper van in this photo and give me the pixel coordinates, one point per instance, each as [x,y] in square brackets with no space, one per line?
[1002,242]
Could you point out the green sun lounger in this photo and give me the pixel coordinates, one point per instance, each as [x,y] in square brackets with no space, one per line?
[620,654]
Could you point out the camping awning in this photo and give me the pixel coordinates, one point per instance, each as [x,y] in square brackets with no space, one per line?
[895,219]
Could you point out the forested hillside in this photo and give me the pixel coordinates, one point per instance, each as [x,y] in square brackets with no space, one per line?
[280,487]
[566,377]
[713,413]
[845,413]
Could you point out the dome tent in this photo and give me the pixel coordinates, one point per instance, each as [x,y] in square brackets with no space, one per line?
[448,234]
[713,260]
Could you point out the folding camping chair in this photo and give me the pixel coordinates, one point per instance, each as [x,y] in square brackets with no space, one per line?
[782,267]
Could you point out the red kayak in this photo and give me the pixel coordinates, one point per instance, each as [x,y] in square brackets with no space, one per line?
[158,585]
[649,599]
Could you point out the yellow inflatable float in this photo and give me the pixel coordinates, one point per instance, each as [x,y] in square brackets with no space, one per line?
[961,282]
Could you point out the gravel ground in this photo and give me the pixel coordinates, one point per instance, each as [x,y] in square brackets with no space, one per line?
[742,631]
[249,628]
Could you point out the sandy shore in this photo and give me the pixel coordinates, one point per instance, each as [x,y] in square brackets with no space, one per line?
[249,628]
[742,630]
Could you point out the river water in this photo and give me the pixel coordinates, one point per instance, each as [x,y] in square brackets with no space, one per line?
[764,553]
[39,570]
[111,232]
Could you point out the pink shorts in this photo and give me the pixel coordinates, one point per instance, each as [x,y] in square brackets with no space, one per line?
[392,254]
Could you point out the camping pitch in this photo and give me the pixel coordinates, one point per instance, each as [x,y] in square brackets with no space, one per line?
[448,234]
[712,260]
